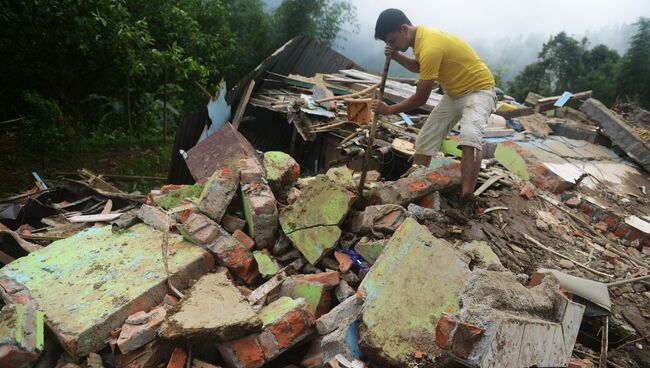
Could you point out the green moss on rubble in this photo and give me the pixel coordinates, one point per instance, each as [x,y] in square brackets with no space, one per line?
[175,197]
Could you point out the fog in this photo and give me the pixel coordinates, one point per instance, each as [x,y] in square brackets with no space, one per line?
[506,34]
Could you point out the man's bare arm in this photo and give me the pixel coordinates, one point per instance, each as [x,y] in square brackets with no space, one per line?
[409,63]
[422,93]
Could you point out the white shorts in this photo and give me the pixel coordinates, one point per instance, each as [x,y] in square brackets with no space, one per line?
[471,110]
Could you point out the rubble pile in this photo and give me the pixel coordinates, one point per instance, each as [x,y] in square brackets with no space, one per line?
[270,261]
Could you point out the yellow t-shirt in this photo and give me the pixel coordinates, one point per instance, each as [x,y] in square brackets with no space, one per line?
[450,61]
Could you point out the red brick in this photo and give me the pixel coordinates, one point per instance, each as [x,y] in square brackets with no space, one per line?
[178,359]
[527,191]
[244,239]
[465,339]
[184,215]
[269,345]
[262,204]
[585,208]
[282,334]
[634,235]
[135,335]
[416,185]
[247,352]
[427,201]
[297,323]
[329,279]
[572,202]
[612,220]
[622,231]
[170,187]
[580,363]
[444,329]
[201,228]
[536,279]
[345,262]
[602,226]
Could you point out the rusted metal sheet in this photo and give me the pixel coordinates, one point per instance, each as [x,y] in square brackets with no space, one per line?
[223,148]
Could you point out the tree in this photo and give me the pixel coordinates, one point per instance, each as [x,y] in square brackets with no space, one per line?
[566,64]
[321,20]
[634,76]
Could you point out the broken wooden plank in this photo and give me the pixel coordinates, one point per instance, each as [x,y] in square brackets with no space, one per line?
[241,108]
[509,114]
[95,218]
[547,103]
[616,129]
[97,181]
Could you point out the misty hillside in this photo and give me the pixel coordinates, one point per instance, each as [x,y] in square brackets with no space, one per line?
[508,54]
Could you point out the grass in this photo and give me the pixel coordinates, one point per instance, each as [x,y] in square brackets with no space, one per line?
[146,156]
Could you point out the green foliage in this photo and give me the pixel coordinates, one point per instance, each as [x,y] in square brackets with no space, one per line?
[634,77]
[566,64]
[43,130]
[72,51]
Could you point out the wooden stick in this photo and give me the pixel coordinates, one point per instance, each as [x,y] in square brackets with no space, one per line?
[243,102]
[572,215]
[604,345]
[373,129]
[368,90]
[627,281]
[488,184]
[532,240]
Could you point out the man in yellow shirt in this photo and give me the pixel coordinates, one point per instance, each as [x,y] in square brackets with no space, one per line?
[468,86]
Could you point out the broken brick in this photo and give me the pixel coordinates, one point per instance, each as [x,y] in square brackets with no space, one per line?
[140,328]
[344,260]
[286,322]
[155,217]
[218,193]
[465,339]
[200,229]
[527,191]
[178,359]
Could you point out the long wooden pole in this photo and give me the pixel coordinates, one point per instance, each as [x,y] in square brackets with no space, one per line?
[373,129]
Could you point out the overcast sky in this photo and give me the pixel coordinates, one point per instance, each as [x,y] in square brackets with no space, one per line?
[482,18]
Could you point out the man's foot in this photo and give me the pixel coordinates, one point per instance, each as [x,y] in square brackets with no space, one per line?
[466,205]
[461,208]
[411,170]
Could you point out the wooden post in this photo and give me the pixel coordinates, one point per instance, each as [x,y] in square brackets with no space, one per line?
[243,102]
[373,129]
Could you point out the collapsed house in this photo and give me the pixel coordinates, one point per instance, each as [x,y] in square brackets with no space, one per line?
[262,252]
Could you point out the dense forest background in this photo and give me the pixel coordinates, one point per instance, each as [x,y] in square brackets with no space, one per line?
[79,75]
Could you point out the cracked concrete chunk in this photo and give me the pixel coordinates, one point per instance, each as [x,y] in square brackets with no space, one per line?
[517,326]
[212,308]
[311,223]
[281,170]
[417,270]
[85,284]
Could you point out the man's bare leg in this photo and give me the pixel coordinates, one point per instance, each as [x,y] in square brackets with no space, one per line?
[419,159]
[470,165]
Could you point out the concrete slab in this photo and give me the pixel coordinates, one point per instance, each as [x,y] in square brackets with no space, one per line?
[392,333]
[311,223]
[88,284]
[213,308]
